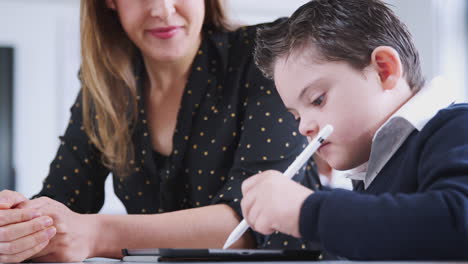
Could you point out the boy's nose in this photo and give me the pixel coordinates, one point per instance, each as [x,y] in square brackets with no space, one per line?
[308,128]
[162,8]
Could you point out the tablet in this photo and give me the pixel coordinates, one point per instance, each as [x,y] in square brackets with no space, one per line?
[177,254]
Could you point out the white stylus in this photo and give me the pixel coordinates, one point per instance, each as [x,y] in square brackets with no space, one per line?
[290,172]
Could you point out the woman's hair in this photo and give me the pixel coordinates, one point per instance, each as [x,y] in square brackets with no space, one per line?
[108,81]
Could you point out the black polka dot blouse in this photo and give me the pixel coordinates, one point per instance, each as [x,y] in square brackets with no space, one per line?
[231,125]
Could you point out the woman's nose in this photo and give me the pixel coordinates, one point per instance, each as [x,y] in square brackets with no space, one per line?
[162,8]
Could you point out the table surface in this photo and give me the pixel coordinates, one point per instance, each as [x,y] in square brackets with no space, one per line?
[116,261]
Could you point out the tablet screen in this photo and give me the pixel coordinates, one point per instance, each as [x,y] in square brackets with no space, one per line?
[176,254]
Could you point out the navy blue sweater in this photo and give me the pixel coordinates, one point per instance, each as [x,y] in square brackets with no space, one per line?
[416,208]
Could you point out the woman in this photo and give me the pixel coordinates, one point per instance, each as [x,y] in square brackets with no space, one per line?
[173,105]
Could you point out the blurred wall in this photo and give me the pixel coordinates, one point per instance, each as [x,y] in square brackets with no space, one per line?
[45,37]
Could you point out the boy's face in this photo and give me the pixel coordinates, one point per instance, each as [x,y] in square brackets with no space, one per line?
[353,101]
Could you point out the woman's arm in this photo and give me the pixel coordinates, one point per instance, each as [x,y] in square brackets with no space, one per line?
[81,236]
[204,227]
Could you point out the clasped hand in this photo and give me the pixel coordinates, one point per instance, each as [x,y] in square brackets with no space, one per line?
[42,229]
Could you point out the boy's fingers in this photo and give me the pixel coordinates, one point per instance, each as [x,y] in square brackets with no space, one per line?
[12,216]
[263,226]
[247,203]
[9,199]
[249,183]
[253,215]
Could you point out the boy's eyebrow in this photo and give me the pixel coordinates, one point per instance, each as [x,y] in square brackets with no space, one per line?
[310,85]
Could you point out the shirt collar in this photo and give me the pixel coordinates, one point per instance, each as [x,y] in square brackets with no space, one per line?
[424,104]
[358,173]
[414,114]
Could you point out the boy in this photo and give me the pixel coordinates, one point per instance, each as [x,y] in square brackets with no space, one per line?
[352,64]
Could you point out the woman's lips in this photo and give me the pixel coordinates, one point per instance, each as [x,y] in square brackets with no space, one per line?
[164,32]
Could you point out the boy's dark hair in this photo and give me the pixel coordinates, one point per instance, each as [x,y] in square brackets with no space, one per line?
[340,30]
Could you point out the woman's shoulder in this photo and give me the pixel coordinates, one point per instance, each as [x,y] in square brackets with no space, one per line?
[230,55]
[239,40]
[251,30]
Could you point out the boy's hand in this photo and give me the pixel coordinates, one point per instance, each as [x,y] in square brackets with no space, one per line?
[273,202]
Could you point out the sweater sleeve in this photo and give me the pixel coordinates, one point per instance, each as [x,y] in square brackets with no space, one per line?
[431,223]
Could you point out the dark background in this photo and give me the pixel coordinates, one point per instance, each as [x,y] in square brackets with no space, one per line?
[7,175]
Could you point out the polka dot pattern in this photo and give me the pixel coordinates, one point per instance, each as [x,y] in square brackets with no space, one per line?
[231,125]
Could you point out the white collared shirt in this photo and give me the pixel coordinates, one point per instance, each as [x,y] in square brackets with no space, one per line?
[414,114]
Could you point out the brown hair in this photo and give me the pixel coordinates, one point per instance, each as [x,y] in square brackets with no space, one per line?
[215,15]
[109,83]
[340,30]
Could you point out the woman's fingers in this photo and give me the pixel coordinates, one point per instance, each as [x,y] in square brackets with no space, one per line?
[49,258]
[9,199]
[26,254]
[35,203]
[27,242]
[15,231]
[12,216]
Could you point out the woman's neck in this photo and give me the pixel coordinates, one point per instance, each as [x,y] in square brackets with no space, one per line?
[165,76]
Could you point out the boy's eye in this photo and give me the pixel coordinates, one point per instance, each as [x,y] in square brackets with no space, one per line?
[296,117]
[319,100]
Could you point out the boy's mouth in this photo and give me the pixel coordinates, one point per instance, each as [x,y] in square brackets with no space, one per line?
[324,144]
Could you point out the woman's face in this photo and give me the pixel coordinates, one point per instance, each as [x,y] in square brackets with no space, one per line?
[164,30]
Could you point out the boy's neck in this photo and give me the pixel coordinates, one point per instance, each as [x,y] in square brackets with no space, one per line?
[402,93]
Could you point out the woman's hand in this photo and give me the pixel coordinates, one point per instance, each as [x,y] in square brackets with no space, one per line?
[23,232]
[74,241]
[273,202]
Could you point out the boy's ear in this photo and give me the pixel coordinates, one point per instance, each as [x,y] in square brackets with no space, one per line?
[111,4]
[387,63]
